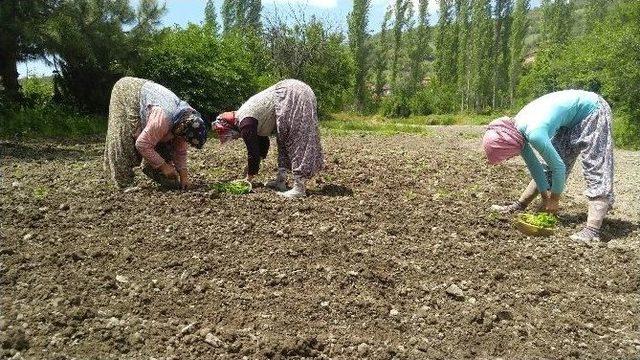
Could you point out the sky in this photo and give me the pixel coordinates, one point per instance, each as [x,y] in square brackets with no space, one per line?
[333,12]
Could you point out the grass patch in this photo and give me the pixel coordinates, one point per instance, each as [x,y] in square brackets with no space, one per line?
[341,123]
[40,192]
[50,122]
[346,123]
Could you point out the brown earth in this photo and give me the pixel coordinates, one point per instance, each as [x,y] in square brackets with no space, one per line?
[393,255]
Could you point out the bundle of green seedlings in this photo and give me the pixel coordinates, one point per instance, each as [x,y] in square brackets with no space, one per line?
[543,220]
[233,187]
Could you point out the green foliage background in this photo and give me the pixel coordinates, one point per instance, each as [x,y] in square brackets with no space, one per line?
[482,57]
[210,73]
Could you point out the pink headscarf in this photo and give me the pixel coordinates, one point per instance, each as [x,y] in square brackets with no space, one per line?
[502,140]
[226,125]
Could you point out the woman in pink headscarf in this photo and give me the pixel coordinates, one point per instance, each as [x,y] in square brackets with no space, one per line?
[560,127]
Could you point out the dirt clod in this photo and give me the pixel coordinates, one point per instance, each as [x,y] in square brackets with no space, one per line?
[455,292]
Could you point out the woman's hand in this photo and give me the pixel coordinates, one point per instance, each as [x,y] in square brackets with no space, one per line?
[185,184]
[550,202]
[169,171]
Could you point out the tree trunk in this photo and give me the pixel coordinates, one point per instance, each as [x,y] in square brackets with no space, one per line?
[9,51]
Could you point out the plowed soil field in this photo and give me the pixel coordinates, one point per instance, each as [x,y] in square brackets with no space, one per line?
[394,255]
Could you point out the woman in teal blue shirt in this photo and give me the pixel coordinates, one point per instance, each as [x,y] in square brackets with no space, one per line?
[560,127]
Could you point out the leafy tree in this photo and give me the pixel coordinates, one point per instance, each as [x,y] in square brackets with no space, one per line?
[381,55]
[605,61]
[314,53]
[148,15]
[595,10]
[480,54]
[358,37]
[446,44]
[516,45]
[463,22]
[212,74]
[20,38]
[92,51]
[419,46]
[402,11]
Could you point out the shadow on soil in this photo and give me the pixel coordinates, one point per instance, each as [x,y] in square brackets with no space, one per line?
[332,190]
[42,152]
[611,229]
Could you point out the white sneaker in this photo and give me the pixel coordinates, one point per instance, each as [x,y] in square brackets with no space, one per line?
[298,191]
[507,209]
[293,194]
[586,235]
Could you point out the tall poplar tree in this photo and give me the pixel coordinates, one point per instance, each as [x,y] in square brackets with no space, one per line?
[241,15]
[381,62]
[210,19]
[463,11]
[446,44]
[358,36]
[420,45]
[402,12]
[228,13]
[557,21]
[480,54]
[500,50]
[516,45]
[252,12]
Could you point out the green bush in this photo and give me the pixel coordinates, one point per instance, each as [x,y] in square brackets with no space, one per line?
[434,99]
[212,74]
[422,103]
[36,91]
[626,132]
[38,116]
[395,106]
[49,121]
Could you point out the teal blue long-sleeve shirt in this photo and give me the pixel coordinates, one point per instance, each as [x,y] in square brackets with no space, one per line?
[540,120]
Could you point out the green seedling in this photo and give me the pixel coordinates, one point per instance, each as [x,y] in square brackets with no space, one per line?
[40,192]
[542,220]
[233,187]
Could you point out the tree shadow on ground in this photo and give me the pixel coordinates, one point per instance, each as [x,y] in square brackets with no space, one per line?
[331,190]
[611,228]
[43,152]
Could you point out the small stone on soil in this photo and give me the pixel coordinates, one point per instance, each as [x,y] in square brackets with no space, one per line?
[122,279]
[212,340]
[188,329]
[454,291]
[394,312]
